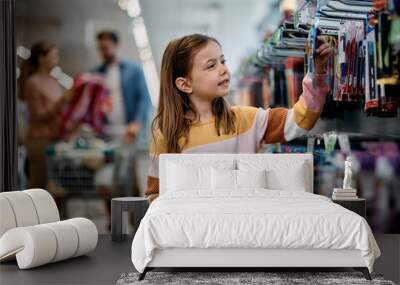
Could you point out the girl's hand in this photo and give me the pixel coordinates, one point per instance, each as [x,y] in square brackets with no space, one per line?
[323,53]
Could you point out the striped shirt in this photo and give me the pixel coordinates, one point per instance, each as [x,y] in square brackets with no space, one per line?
[254,126]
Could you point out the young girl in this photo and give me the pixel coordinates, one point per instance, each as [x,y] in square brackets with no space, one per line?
[194,117]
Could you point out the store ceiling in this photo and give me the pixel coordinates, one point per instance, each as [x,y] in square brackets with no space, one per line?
[72,24]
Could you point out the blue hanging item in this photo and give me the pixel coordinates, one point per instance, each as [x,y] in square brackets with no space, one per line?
[311,50]
[342,57]
[312,45]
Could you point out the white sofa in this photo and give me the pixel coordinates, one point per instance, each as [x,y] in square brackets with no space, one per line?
[31,231]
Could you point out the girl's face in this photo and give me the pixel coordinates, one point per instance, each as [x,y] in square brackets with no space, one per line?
[210,77]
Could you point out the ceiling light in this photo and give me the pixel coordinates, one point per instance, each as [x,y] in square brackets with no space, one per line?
[133,8]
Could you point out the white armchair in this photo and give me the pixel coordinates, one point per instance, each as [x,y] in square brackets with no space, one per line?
[31,230]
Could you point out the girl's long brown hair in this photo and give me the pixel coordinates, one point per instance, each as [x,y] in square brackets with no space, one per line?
[31,65]
[170,119]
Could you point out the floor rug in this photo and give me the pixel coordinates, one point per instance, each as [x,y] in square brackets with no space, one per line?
[243,278]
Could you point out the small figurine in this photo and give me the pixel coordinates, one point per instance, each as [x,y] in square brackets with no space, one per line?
[347,174]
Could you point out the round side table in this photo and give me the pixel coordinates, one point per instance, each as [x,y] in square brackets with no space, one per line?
[137,205]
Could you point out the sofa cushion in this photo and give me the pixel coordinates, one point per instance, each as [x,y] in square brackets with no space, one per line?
[40,244]
[23,208]
[45,205]
[31,232]
[26,208]
[7,220]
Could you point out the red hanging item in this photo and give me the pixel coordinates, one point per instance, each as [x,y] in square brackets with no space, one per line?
[88,105]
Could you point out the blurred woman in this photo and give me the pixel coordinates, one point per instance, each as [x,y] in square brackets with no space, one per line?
[44,98]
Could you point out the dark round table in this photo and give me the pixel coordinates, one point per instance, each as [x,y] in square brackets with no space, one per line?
[137,205]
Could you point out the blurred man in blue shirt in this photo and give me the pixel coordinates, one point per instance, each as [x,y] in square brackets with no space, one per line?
[131,106]
[130,114]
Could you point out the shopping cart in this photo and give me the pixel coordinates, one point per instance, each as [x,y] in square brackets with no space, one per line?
[74,171]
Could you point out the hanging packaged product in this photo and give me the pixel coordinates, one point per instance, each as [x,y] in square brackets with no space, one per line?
[330,139]
[371,99]
[310,144]
[363,68]
[305,14]
[344,143]
[384,51]
[311,50]
[350,60]
[387,66]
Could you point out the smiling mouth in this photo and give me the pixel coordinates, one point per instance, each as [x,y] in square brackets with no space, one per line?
[225,82]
